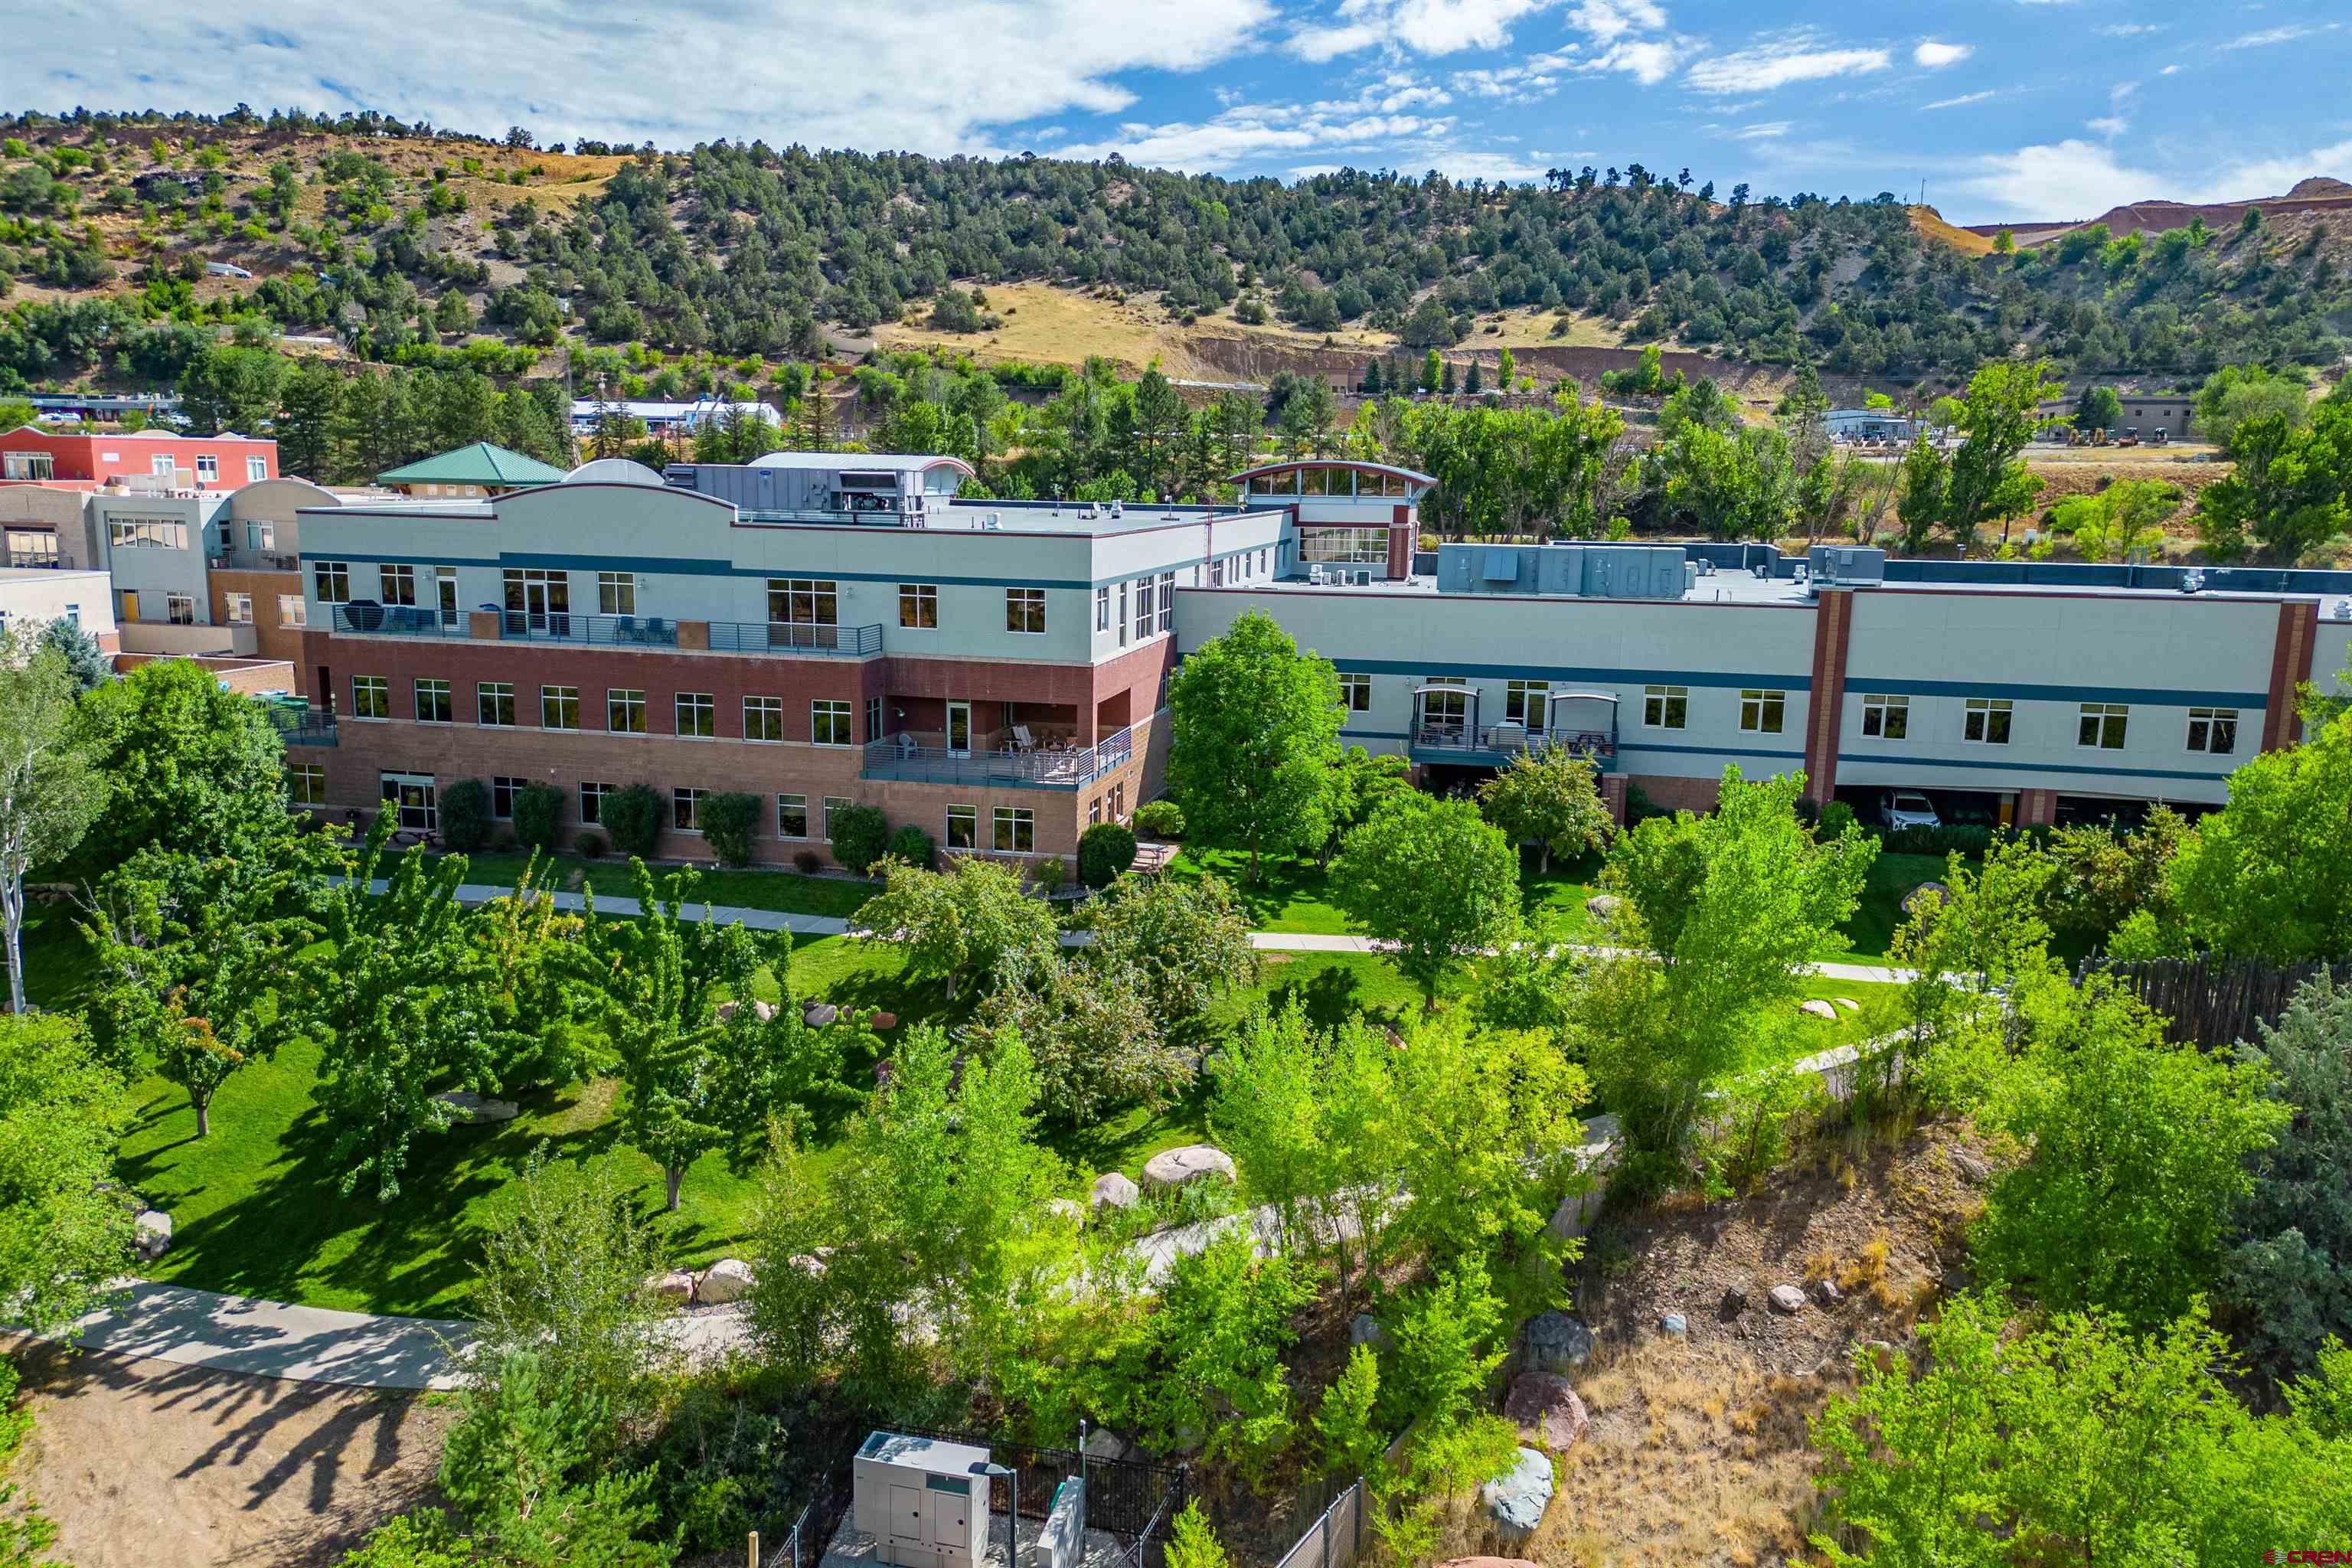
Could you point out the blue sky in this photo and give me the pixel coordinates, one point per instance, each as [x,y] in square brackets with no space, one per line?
[2002,107]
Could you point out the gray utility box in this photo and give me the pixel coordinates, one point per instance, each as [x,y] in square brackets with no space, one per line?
[924,1502]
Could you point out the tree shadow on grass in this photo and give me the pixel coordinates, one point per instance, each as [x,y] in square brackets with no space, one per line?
[1331,995]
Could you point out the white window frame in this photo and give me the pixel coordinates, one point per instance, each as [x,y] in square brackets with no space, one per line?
[332,579]
[551,699]
[1665,697]
[800,806]
[379,688]
[446,691]
[1102,608]
[293,610]
[494,704]
[629,700]
[1006,825]
[918,599]
[256,469]
[592,801]
[763,719]
[1355,693]
[2214,723]
[306,783]
[1022,606]
[240,608]
[2100,717]
[703,706]
[1978,713]
[1886,717]
[1515,694]
[968,814]
[835,804]
[207,467]
[685,801]
[616,593]
[829,715]
[1756,704]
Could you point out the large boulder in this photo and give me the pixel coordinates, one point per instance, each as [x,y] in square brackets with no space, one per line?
[1603,906]
[820,1014]
[1517,1503]
[1815,1007]
[1545,1409]
[1174,1168]
[1113,1191]
[1787,1299]
[763,1011]
[472,1109]
[1922,893]
[1674,1326]
[1558,1343]
[1365,1329]
[152,1234]
[1067,1208]
[729,1279]
[675,1288]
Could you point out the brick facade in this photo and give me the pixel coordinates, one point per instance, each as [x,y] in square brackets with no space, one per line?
[273,637]
[2298,628]
[1833,631]
[1672,793]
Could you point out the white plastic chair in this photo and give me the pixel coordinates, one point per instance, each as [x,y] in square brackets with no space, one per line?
[1021,738]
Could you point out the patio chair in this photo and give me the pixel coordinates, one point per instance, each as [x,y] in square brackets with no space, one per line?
[1021,739]
[624,629]
[907,747]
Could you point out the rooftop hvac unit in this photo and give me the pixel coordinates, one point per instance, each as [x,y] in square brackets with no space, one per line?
[924,1502]
[2192,582]
[2342,610]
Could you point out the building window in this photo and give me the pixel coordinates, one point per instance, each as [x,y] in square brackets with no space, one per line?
[1167,601]
[1094,812]
[1102,608]
[1344,546]
[180,609]
[591,801]
[559,707]
[1024,610]
[1122,616]
[791,817]
[27,466]
[306,783]
[434,703]
[493,702]
[918,605]
[503,790]
[616,593]
[207,467]
[28,548]
[2102,725]
[804,601]
[1886,718]
[686,810]
[1761,712]
[1523,701]
[1986,721]
[1216,574]
[963,828]
[256,469]
[2213,730]
[146,533]
[399,584]
[763,719]
[1143,620]
[260,536]
[874,717]
[1015,830]
[835,805]
[829,724]
[1356,693]
[625,713]
[333,580]
[371,696]
[240,608]
[1665,707]
[697,714]
[292,611]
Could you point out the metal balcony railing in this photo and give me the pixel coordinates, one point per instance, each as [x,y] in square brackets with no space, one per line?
[563,626]
[368,618]
[901,758]
[26,560]
[1598,746]
[792,636]
[658,631]
[303,729]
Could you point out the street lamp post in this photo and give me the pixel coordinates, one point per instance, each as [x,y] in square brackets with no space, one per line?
[1012,1516]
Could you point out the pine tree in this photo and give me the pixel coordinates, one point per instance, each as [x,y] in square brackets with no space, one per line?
[305,423]
[1475,384]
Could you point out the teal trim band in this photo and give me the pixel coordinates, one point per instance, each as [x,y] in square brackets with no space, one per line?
[2154,696]
[2003,764]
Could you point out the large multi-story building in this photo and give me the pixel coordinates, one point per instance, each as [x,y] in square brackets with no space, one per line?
[825,629]
[816,629]
[29,455]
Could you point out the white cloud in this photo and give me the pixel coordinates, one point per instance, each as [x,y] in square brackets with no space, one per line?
[1606,21]
[2169,70]
[2108,125]
[2122,90]
[1964,97]
[937,76]
[1936,56]
[1624,37]
[1423,27]
[1763,130]
[2133,29]
[1536,77]
[2077,179]
[1647,60]
[2286,35]
[1781,62]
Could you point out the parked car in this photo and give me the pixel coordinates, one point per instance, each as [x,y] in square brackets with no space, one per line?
[1906,808]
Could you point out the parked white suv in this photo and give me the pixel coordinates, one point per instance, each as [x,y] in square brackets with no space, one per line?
[1906,808]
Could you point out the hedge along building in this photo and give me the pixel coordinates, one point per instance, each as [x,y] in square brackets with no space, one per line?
[816,629]
[2018,690]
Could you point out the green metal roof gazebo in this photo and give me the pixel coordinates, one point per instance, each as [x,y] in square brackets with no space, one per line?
[494,469]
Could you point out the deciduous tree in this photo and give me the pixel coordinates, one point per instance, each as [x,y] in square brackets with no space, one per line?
[1547,794]
[50,788]
[1434,878]
[1255,725]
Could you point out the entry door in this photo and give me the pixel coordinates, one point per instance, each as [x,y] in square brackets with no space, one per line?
[413,796]
[129,610]
[959,729]
[447,582]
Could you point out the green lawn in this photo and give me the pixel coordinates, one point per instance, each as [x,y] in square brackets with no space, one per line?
[749,888]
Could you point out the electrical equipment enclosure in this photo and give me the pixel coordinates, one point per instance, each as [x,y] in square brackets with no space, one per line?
[923,1501]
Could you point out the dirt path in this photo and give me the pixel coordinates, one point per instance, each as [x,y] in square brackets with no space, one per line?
[143,1462]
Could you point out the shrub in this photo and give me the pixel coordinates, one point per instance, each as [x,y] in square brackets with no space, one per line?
[1105,850]
[633,816]
[728,821]
[466,817]
[590,844]
[1161,818]
[861,836]
[807,862]
[1949,839]
[1051,872]
[913,845]
[1836,818]
[538,816]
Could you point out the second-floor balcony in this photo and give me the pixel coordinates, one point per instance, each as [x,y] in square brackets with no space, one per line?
[368,618]
[257,561]
[301,727]
[1498,743]
[714,637]
[902,758]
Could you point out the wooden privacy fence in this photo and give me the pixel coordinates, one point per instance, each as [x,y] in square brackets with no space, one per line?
[2215,1002]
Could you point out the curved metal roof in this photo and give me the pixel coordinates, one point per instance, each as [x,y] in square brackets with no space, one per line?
[861,462]
[1247,474]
